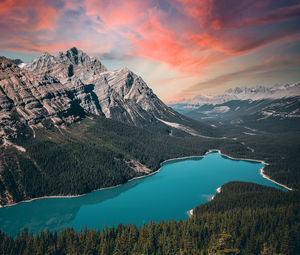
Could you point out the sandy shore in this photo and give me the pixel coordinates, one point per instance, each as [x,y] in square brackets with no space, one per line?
[190,212]
[268,178]
[218,191]
[152,173]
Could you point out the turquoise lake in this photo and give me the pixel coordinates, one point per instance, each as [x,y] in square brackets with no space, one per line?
[169,194]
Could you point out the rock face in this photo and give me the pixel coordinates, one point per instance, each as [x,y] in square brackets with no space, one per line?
[29,98]
[120,95]
[66,65]
[62,89]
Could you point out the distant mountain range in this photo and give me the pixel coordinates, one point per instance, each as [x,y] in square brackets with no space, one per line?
[254,94]
[277,107]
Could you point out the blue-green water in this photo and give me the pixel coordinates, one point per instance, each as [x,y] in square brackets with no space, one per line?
[178,187]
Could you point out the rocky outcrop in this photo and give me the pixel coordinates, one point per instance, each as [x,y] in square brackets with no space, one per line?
[66,65]
[30,98]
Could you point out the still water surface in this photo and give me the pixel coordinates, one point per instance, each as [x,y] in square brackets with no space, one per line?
[169,194]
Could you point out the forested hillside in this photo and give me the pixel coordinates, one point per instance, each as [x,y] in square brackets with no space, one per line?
[89,155]
[100,152]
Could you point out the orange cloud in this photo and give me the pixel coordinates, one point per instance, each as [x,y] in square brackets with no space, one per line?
[28,15]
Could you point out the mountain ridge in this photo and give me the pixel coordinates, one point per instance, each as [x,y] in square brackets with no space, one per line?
[63,89]
[245,93]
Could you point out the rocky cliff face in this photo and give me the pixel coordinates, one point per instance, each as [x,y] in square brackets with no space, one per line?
[120,95]
[65,65]
[63,89]
[29,98]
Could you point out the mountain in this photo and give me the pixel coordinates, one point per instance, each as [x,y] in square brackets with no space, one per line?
[17,61]
[63,89]
[269,109]
[31,99]
[268,115]
[253,94]
[120,95]
[69,126]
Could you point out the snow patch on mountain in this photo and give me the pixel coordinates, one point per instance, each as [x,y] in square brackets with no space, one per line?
[22,65]
[218,109]
[180,127]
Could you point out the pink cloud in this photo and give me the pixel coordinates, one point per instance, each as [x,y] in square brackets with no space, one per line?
[149,35]
[192,48]
[116,13]
[28,15]
[206,31]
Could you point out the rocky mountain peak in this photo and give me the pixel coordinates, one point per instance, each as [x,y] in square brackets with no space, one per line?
[74,56]
[74,50]
[65,88]
[42,62]
[6,63]
[77,57]
[66,64]
[45,54]
[125,70]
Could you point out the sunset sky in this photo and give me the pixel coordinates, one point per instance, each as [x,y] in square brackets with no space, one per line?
[181,48]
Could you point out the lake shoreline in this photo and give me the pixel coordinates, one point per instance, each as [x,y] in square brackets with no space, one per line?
[190,212]
[262,173]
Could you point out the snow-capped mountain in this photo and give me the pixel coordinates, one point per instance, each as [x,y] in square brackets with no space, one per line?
[267,112]
[59,90]
[254,94]
[260,105]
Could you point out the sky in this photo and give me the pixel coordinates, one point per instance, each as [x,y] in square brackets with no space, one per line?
[181,48]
